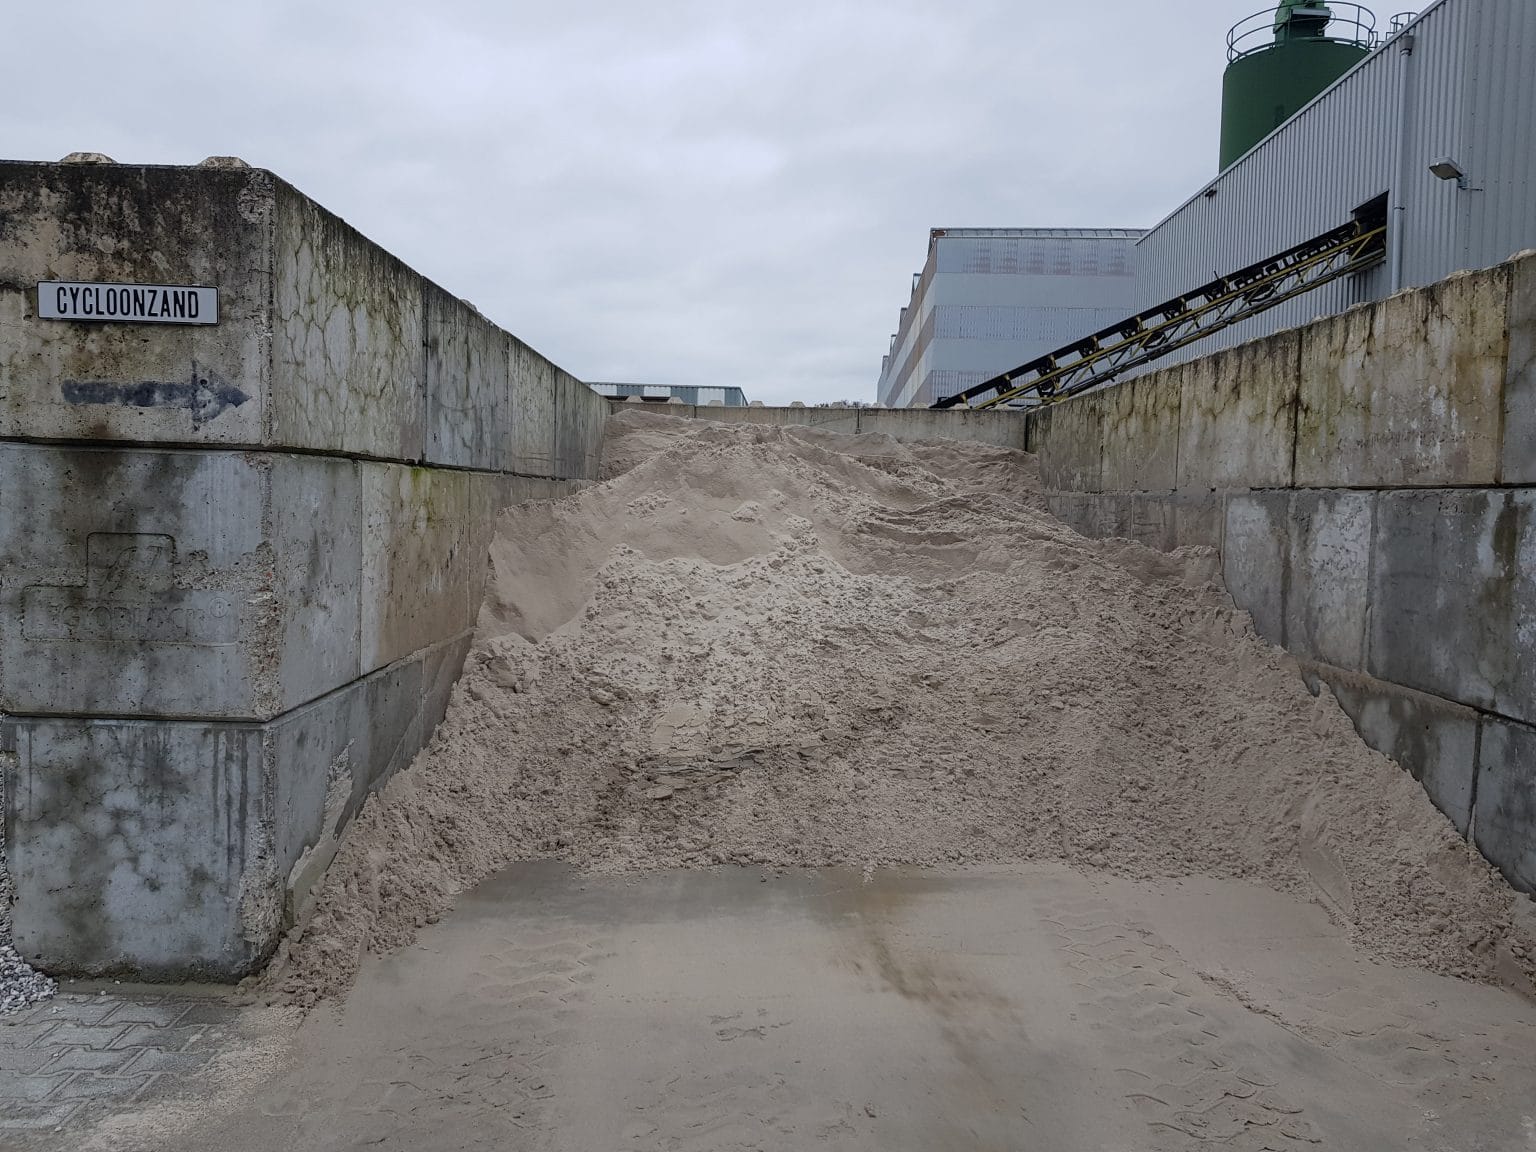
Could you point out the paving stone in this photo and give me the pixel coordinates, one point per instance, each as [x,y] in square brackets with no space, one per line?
[72,1007]
[33,1088]
[91,1086]
[89,1060]
[71,1035]
[171,1039]
[22,1060]
[15,1117]
[209,1012]
[161,1060]
[161,1015]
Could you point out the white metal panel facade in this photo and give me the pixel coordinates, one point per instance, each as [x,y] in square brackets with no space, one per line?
[988,299]
[1458,83]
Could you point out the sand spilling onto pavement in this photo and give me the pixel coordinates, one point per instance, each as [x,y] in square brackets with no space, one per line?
[752,645]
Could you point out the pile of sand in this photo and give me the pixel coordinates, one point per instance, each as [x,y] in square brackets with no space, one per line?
[788,647]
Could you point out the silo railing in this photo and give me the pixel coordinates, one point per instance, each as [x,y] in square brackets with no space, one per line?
[1347,24]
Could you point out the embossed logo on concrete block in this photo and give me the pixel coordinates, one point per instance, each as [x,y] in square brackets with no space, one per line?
[128,598]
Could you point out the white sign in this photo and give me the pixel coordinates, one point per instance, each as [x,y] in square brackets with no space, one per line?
[131,303]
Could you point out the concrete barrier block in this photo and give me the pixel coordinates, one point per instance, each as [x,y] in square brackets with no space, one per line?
[1327,589]
[180,849]
[1199,520]
[533,404]
[832,419]
[1112,515]
[140,847]
[329,756]
[1519,454]
[1074,509]
[314,511]
[580,416]
[421,571]
[1504,822]
[156,583]
[1407,392]
[1237,416]
[1070,442]
[1255,555]
[347,362]
[129,224]
[1141,433]
[1435,740]
[1154,522]
[1453,596]
[468,387]
[1001,429]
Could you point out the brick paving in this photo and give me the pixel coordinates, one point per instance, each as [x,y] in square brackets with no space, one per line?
[68,1059]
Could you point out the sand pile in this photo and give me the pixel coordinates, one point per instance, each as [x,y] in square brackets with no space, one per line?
[786,647]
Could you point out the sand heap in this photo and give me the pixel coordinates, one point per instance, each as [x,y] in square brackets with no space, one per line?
[782,646]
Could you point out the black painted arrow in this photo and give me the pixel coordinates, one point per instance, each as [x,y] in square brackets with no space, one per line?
[205,395]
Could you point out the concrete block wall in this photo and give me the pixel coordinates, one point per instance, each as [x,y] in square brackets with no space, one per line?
[1003,429]
[240,564]
[1371,482]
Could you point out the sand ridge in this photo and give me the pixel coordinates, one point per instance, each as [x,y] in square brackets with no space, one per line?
[781,646]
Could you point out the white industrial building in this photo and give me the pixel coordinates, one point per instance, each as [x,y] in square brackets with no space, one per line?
[990,298]
[725,396]
[1439,119]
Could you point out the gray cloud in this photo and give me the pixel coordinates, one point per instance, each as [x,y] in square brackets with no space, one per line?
[678,193]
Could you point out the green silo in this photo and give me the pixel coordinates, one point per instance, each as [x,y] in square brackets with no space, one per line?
[1269,80]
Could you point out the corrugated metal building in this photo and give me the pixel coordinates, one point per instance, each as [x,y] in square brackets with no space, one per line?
[990,298]
[1456,83]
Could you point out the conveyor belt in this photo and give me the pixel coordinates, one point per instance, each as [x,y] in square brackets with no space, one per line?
[1099,358]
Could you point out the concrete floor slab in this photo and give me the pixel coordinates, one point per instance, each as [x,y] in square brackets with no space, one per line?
[997,1008]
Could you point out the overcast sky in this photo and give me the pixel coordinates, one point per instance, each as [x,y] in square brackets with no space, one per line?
[672,192]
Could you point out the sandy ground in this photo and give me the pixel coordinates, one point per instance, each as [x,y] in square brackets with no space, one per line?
[997,1008]
[791,647]
[812,791]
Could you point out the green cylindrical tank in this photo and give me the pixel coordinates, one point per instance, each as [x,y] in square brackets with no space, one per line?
[1267,82]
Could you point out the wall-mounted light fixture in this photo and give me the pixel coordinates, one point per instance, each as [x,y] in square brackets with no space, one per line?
[1447,169]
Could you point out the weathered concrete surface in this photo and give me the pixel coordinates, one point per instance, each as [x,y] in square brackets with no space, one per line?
[1506,801]
[114,223]
[1436,741]
[348,370]
[187,631]
[1518,465]
[155,583]
[175,849]
[325,342]
[1327,576]
[1453,596]
[421,580]
[1237,414]
[580,415]
[470,405]
[1408,391]
[1141,435]
[535,384]
[134,844]
[1003,429]
[1255,558]
[1370,475]
[1069,439]
[831,419]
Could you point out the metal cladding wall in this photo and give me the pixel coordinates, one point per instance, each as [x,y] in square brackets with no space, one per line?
[988,299]
[1459,82]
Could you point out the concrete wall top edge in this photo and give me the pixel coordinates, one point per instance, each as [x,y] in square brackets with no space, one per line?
[1430,387]
[319,340]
